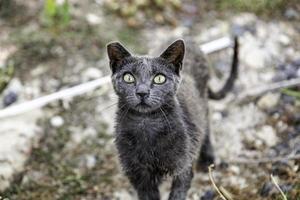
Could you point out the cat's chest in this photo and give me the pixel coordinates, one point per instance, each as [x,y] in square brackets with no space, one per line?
[152,142]
[147,127]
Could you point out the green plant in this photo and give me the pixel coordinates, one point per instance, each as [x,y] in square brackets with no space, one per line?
[56,15]
[292,93]
[6,74]
[256,6]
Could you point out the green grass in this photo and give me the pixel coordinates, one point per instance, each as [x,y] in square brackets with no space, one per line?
[56,16]
[6,74]
[256,6]
[291,93]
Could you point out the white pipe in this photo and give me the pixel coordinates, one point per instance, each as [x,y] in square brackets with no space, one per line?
[63,94]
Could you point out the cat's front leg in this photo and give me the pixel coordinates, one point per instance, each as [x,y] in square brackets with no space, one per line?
[181,184]
[145,185]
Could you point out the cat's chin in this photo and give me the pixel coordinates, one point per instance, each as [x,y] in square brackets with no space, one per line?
[144,108]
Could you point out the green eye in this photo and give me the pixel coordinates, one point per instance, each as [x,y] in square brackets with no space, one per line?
[128,78]
[159,79]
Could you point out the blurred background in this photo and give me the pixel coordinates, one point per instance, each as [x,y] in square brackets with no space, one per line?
[65,150]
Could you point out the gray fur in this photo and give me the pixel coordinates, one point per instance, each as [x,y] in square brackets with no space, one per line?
[163,136]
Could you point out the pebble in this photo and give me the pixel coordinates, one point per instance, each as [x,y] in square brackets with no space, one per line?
[208,195]
[91,73]
[266,189]
[262,57]
[296,62]
[284,39]
[268,135]
[57,121]
[10,98]
[93,19]
[90,161]
[281,168]
[268,101]
[234,169]
[291,14]
[123,194]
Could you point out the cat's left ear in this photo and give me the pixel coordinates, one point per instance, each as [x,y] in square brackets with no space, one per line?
[116,53]
[174,54]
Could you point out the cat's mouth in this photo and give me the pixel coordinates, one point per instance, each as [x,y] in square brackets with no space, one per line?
[143,104]
[143,107]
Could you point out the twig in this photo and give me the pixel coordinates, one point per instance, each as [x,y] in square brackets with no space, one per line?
[262,160]
[63,94]
[278,188]
[256,92]
[210,169]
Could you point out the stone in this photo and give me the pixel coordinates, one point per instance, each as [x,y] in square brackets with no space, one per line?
[123,194]
[91,73]
[291,13]
[267,135]
[93,19]
[284,39]
[10,98]
[268,101]
[18,135]
[57,121]
[266,189]
[208,195]
[253,54]
[90,161]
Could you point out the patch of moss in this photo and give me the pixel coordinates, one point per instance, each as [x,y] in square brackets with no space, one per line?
[262,7]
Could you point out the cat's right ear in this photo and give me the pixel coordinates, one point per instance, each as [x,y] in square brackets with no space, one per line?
[116,53]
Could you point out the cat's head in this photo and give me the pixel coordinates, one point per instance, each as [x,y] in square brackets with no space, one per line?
[143,83]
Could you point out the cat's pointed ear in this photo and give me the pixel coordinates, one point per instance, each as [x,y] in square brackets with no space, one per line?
[174,54]
[116,53]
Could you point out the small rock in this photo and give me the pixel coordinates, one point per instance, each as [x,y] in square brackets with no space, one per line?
[57,121]
[93,19]
[296,62]
[288,99]
[90,161]
[282,168]
[123,194]
[280,76]
[267,135]
[10,98]
[284,39]
[217,116]
[291,14]
[90,132]
[235,169]
[286,188]
[268,101]
[208,195]
[60,2]
[262,58]
[91,73]
[290,71]
[266,189]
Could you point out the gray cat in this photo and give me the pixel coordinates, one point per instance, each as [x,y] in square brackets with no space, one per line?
[162,119]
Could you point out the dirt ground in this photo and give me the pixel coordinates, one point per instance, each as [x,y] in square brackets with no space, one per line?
[68,150]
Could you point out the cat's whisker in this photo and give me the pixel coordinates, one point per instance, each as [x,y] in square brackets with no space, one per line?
[124,114]
[165,116]
[110,106]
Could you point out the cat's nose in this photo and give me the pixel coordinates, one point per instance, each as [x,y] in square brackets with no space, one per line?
[142,91]
[142,94]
